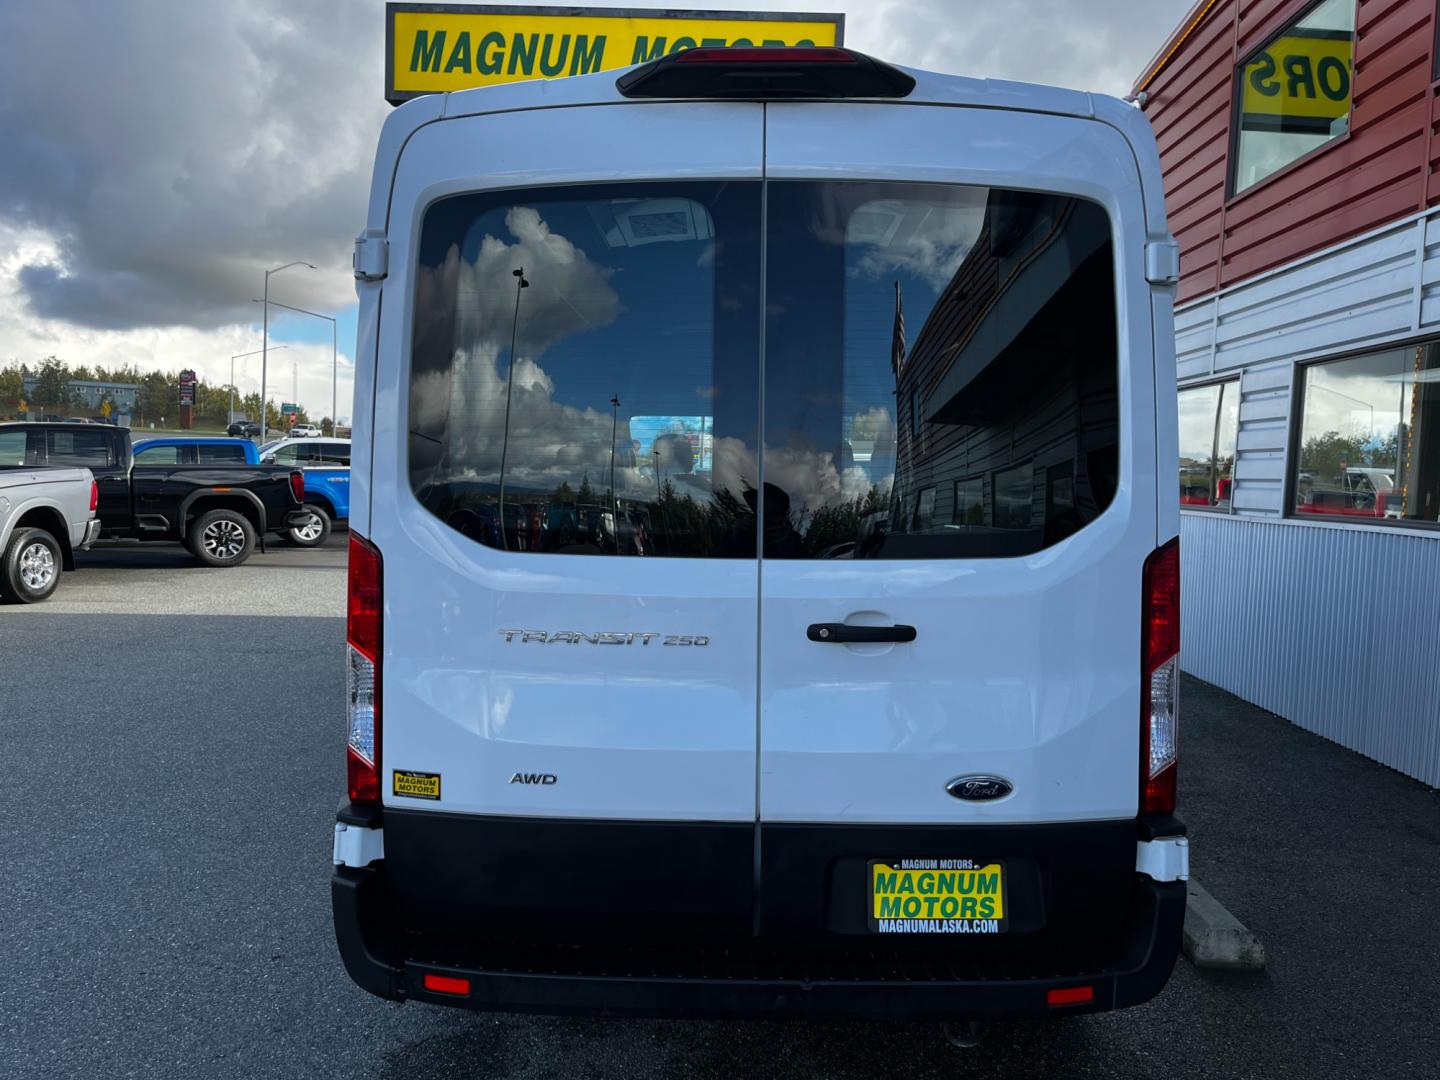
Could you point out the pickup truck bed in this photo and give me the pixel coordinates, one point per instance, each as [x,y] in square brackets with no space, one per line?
[46,514]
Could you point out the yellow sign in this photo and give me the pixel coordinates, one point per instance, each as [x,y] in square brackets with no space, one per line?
[1300,82]
[431,48]
[416,785]
[937,896]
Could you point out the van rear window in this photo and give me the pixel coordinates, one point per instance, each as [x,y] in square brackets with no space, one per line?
[936,369]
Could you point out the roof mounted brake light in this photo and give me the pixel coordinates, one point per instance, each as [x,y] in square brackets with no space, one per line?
[759,74]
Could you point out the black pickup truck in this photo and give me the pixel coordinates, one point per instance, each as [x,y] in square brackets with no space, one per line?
[217,511]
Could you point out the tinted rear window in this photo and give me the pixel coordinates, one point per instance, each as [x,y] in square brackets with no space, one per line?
[78,446]
[157,455]
[939,369]
[219,454]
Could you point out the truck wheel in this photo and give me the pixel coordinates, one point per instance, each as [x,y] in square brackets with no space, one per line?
[314,532]
[30,569]
[221,538]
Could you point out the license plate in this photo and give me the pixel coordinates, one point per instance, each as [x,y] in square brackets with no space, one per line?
[937,896]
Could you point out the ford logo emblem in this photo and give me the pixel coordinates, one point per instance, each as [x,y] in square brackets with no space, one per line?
[979,788]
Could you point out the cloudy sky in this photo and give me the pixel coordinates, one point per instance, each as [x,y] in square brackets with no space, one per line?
[159,155]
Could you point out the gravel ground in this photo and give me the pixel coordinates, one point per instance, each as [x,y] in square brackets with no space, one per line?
[164,905]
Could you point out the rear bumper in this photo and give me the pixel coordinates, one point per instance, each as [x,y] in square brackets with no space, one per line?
[389,944]
[90,535]
[294,519]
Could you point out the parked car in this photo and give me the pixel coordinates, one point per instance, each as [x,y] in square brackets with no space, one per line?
[195,450]
[326,464]
[715,773]
[305,430]
[218,512]
[244,428]
[46,515]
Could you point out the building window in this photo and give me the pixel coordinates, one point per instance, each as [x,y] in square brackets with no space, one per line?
[1209,427]
[970,501]
[1294,93]
[1369,445]
[1014,493]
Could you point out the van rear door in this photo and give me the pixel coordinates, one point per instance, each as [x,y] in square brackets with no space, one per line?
[959,482]
[565,427]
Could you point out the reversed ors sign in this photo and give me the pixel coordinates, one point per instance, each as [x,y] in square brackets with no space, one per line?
[433,48]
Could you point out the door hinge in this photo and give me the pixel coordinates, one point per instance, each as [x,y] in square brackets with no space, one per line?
[356,846]
[1162,262]
[372,255]
[1167,859]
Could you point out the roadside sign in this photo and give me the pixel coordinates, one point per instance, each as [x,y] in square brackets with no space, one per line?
[431,48]
[289,408]
[187,388]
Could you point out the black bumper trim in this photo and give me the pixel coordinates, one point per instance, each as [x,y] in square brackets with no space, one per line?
[392,965]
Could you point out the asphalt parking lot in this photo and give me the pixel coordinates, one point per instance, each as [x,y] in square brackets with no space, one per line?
[171,742]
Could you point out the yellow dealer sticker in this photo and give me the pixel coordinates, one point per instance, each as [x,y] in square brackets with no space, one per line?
[1299,82]
[432,48]
[415,785]
[937,896]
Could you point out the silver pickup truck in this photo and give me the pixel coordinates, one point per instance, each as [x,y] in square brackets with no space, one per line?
[45,516]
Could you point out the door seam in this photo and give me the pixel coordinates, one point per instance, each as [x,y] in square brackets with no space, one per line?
[760,503]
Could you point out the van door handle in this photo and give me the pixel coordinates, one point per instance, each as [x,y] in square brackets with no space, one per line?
[834,633]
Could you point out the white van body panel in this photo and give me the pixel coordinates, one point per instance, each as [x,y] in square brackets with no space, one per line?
[639,731]
[1023,668]
[1036,677]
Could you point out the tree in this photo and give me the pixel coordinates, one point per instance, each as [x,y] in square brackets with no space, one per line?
[587,493]
[327,426]
[12,386]
[155,398]
[53,390]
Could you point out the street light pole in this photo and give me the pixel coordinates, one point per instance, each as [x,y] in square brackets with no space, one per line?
[520,283]
[614,421]
[265,341]
[239,356]
[334,355]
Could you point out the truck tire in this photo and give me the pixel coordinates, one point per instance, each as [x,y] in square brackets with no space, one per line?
[314,532]
[30,568]
[221,538]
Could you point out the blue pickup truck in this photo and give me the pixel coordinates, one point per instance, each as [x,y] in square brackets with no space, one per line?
[194,450]
[326,464]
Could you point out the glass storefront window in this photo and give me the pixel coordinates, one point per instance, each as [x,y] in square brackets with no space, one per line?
[1209,427]
[1370,437]
[1294,93]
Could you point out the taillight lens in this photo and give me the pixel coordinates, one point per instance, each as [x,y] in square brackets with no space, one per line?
[94,496]
[297,485]
[362,631]
[1160,680]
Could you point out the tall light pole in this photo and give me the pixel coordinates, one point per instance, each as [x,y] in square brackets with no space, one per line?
[238,356]
[520,283]
[614,420]
[265,341]
[334,355]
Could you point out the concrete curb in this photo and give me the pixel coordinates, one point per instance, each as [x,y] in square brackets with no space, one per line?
[1214,938]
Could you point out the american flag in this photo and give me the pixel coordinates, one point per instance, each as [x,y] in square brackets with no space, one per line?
[897,337]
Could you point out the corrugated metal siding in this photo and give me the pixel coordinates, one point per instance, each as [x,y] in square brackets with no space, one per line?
[1336,629]
[1379,173]
[1361,294]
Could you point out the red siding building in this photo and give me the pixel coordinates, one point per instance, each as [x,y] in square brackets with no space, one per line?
[1299,141]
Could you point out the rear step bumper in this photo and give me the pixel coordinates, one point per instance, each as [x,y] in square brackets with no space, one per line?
[389,954]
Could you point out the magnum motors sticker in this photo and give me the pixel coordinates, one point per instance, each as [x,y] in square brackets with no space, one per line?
[415,785]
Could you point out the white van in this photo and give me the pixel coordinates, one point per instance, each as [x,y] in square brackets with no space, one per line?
[763,567]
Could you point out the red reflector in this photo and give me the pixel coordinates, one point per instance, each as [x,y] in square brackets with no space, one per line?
[362,779]
[362,617]
[1070,995]
[1162,605]
[447,984]
[297,485]
[791,54]
[94,495]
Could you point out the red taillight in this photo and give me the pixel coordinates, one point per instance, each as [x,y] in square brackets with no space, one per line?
[94,496]
[1160,680]
[363,611]
[446,984]
[1070,995]
[786,54]
[297,485]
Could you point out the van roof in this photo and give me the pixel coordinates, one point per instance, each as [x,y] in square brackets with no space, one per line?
[931,88]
